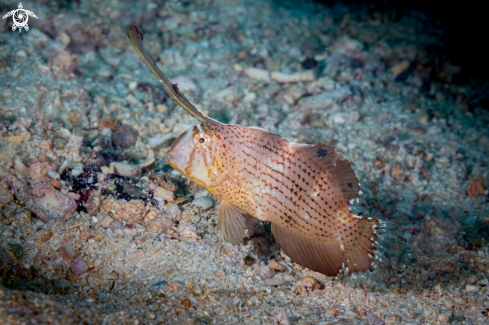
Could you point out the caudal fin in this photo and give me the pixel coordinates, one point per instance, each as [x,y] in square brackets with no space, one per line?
[361,253]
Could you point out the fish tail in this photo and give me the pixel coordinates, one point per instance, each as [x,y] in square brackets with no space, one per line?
[364,253]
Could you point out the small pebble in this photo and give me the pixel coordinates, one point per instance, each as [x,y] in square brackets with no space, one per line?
[158,225]
[106,221]
[68,251]
[304,76]
[50,204]
[219,274]
[21,54]
[19,166]
[133,100]
[124,169]
[331,311]
[174,212]
[5,194]
[258,74]
[276,266]
[338,118]
[324,100]
[361,311]
[190,216]
[471,288]
[280,317]
[400,68]
[116,225]
[476,188]
[125,136]
[162,194]
[79,266]
[186,303]
[265,271]
[250,97]
[306,285]
[397,171]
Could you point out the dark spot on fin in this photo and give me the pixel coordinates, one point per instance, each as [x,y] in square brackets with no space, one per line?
[233,222]
[175,87]
[322,152]
[324,257]
[336,166]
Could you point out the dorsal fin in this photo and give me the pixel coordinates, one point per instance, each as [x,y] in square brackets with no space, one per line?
[136,39]
[256,128]
[337,167]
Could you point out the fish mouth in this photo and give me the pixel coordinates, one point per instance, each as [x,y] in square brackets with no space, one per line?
[174,160]
[171,154]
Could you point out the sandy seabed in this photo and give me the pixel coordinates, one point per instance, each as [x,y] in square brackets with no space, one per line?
[96,228]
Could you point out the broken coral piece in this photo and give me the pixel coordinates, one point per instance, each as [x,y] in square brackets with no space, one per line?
[158,225]
[5,194]
[63,65]
[130,212]
[161,194]
[73,148]
[39,168]
[48,204]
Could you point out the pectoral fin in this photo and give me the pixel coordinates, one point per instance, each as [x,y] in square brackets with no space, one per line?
[233,222]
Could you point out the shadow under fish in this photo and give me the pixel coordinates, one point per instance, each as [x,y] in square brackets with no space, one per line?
[304,191]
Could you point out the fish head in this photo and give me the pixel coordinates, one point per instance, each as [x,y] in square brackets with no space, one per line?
[197,153]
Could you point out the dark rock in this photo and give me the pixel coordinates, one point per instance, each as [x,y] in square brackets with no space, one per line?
[125,136]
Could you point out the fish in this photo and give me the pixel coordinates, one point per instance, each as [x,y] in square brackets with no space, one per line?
[305,191]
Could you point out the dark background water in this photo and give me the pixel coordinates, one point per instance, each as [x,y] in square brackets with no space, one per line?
[464,25]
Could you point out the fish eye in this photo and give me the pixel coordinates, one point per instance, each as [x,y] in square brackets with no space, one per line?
[202,140]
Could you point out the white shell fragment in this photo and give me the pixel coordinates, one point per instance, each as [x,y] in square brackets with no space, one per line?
[303,76]
[124,169]
[204,202]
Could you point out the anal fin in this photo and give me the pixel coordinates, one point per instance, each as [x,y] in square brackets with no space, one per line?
[233,222]
[324,257]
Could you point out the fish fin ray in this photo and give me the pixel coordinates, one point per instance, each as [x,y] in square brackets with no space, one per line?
[136,39]
[324,257]
[337,167]
[233,222]
[360,255]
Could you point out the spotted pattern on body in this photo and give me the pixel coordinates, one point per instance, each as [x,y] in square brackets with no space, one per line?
[303,190]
